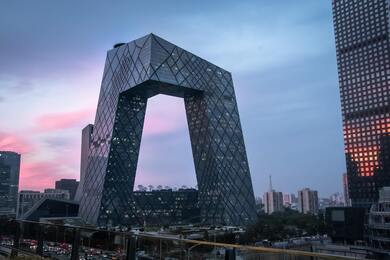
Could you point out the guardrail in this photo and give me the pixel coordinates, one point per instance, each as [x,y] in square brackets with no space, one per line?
[76,242]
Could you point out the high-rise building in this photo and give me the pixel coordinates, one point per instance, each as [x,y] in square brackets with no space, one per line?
[86,139]
[273,200]
[308,201]
[68,184]
[28,198]
[289,199]
[135,72]
[347,200]
[363,59]
[9,181]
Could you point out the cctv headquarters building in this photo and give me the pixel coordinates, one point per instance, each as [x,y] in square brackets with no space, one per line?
[135,72]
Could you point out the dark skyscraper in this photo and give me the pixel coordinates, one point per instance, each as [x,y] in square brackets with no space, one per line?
[68,185]
[9,181]
[86,137]
[362,43]
[135,72]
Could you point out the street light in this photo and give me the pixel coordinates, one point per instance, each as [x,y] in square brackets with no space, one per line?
[189,250]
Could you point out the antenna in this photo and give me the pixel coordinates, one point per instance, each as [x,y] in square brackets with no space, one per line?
[270,183]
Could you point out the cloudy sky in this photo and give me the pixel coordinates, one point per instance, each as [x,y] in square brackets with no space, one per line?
[281,54]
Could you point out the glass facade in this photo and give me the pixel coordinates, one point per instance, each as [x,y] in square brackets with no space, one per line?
[9,181]
[166,207]
[362,43]
[141,69]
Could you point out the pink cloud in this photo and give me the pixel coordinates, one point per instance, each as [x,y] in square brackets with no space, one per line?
[59,121]
[14,142]
[42,174]
[164,115]
[162,125]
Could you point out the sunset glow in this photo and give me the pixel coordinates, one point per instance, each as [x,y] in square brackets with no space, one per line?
[363,144]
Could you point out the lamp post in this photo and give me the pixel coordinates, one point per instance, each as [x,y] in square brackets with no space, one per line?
[189,250]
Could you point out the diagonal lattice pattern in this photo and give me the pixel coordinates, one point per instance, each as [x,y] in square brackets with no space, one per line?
[133,73]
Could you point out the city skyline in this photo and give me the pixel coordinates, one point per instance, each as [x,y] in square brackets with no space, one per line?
[289,107]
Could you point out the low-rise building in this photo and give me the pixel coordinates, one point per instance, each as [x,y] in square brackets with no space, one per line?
[166,207]
[345,225]
[28,198]
[50,208]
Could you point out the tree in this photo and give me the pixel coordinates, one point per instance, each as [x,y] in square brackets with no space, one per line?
[283,225]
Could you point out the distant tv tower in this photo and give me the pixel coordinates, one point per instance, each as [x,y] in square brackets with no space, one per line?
[270,183]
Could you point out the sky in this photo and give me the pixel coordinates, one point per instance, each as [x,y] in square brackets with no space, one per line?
[281,55]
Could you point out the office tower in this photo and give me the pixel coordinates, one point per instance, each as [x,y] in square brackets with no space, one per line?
[9,181]
[273,200]
[347,200]
[86,138]
[28,198]
[135,72]
[68,184]
[362,44]
[308,201]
